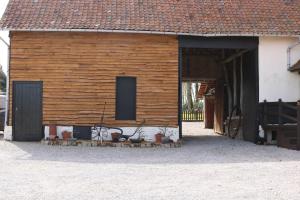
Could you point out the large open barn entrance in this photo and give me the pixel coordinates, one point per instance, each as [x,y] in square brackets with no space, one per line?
[223,71]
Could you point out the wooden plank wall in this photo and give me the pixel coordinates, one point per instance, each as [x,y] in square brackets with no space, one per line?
[79,71]
[201,67]
[250,97]
[209,110]
[219,107]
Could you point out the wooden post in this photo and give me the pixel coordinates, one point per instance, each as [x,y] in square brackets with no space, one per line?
[298,127]
[234,83]
[279,111]
[229,92]
[180,91]
[242,85]
[265,116]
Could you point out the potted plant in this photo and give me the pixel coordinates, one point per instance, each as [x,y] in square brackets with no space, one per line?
[139,131]
[115,137]
[162,137]
[52,132]
[158,137]
[66,135]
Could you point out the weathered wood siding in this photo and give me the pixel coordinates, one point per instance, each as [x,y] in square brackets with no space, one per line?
[200,67]
[79,72]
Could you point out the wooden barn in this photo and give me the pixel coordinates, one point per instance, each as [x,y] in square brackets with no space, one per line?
[71,59]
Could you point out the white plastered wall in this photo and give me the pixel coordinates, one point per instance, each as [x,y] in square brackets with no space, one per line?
[275,81]
[148,133]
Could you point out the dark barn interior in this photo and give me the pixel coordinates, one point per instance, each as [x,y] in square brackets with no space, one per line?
[227,69]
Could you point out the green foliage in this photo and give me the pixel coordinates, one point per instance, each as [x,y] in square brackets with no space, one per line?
[190,102]
[197,105]
[3,84]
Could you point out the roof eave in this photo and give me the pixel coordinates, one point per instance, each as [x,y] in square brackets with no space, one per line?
[153,32]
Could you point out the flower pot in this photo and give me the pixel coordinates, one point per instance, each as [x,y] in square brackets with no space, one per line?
[115,137]
[158,138]
[52,132]
[66,135]
[165,140]
[136,141]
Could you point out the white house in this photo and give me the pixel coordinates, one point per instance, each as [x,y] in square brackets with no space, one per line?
[275,80]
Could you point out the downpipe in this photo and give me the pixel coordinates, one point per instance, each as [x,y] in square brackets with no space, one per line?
[289,53]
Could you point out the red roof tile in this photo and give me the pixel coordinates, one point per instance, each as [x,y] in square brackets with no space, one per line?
[192,17]
[205,86]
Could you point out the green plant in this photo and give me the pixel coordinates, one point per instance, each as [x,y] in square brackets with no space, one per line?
[139,132]
[164,131]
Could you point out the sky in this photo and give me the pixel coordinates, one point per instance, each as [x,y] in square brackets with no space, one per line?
[4,35]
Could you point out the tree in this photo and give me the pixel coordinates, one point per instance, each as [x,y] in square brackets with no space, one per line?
[190,101]
[2,81]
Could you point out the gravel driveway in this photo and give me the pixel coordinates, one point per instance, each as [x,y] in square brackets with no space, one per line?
[206,167]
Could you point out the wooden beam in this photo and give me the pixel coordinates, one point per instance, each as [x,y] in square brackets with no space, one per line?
[279,112]
[242,84]
[218,42]
[228,88]
[234,83]
[265,111]
[234,56]
[180,91]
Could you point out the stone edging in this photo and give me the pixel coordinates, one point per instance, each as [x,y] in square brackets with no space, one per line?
[89,143]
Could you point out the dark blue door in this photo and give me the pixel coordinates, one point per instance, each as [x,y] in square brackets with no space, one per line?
[27,111]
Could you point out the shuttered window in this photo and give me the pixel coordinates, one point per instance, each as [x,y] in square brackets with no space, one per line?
[126,98]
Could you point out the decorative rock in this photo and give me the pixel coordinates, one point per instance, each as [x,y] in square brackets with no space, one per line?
[176,145]
[167,145]
[118,144]
[157,145]
[94,143]
[126,144]
[86,143]
[45,142]
[143,145]
[72,142]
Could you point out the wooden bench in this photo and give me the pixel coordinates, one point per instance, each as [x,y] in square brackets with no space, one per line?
[286,131]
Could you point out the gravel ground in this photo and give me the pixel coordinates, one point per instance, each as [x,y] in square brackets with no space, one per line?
[206,167]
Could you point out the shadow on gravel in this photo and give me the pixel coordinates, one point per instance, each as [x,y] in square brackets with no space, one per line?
[195,150]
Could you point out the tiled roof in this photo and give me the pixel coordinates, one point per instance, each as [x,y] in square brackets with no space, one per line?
[192,17]
[205,86]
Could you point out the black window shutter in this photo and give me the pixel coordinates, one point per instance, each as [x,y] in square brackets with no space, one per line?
[126,98]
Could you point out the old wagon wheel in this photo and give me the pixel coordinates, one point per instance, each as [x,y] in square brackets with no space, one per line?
[235,121]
